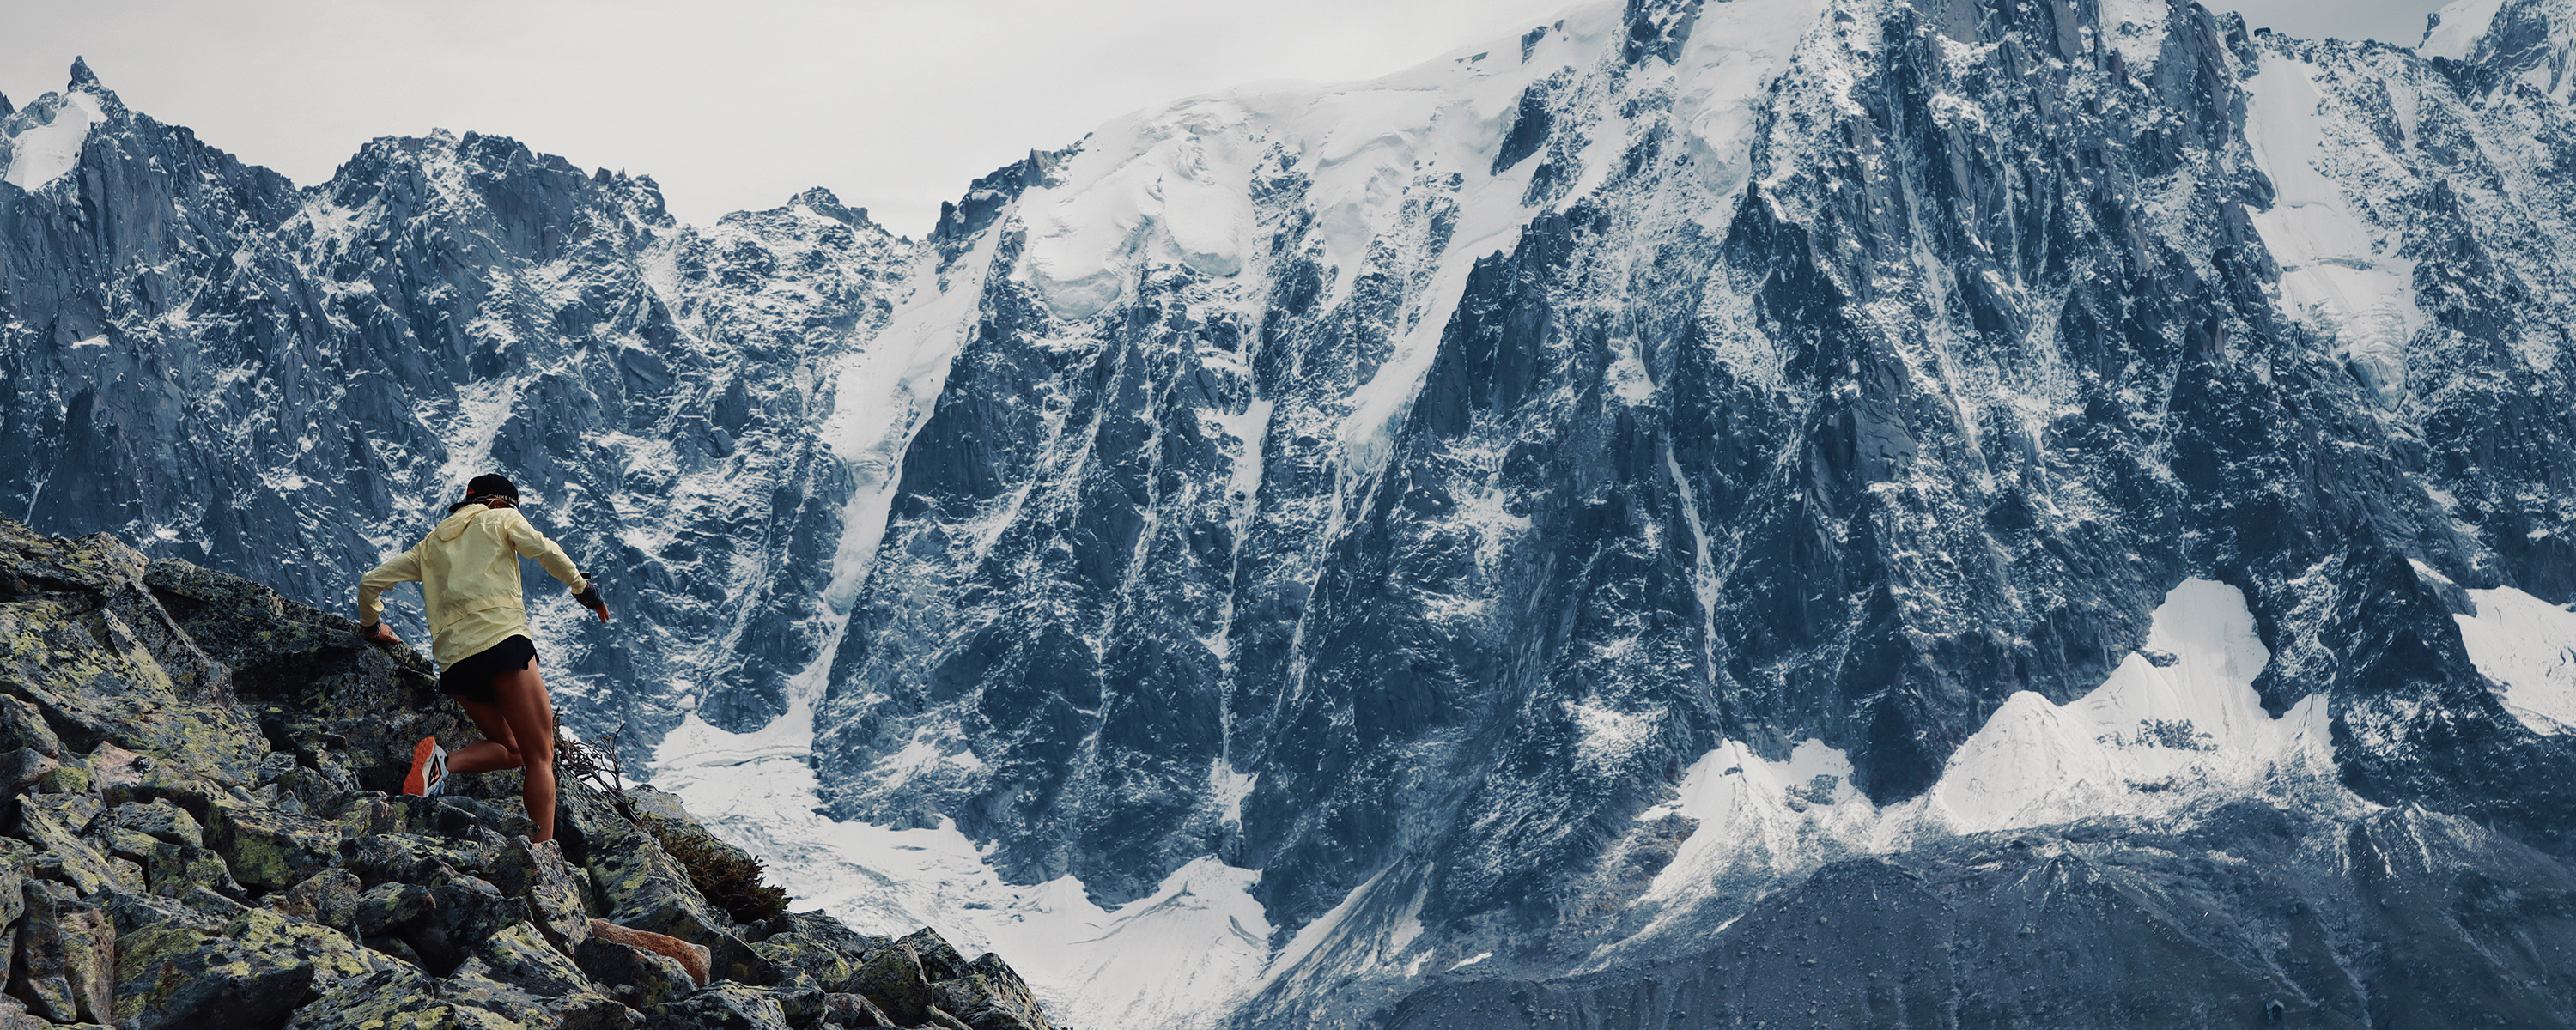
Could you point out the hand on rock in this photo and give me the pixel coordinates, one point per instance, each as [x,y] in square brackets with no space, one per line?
[380,633]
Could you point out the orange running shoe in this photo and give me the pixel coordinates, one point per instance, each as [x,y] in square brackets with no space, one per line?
[428,769]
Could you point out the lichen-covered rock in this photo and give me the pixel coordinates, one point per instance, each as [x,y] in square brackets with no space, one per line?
[245,972]
[387,908]
[52,824]
[690,955]
[521,956]
[269,849]
[988,995]
[473,986]
[14,1016]
[725,1006]
[538,874]
[160,820]
[23,726]
[329,897]
[641,886]
[87,670]
[406,857]
[728,958]
[67,955]
[816,949]
[397,998]
[23,768]
[892,977]
[71,812]
[595,1012]
[440,921]
[174,870]
[638,978]
[13,896]
[843,1009]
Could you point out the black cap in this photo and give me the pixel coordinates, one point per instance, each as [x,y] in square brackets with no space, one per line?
[489,484]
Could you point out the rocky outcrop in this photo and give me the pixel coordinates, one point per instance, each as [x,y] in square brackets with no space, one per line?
[201,836]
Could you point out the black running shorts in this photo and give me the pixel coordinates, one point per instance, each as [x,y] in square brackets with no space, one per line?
[471,679]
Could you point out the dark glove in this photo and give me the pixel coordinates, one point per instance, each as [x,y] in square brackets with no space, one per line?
[589,595]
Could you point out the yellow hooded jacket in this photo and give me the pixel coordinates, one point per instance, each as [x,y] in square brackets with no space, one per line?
[468,570]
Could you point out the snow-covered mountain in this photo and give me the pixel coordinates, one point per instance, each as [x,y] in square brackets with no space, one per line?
[1834,512]
[290,383]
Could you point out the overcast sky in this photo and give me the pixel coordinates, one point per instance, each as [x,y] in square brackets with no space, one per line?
[893,104]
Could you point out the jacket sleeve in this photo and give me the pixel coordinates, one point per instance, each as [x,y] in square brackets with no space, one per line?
[403,568]
[529,543]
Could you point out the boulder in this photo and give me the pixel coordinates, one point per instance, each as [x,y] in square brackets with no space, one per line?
[892,977]
[379,858]
[13,893]
[595,1012]
[369,814]
[691,956]
[469,817]
[159,820]
[472,986]
[14,1016]
[52,823]
[67,964]
[386,909]
[725,1006]
[988,995]
[441,921]
[242,973]
[329,897]
[24,767]
[521,956]
[269,849]
[639,885]
[174,870]
[843,1009]
[939,960]
[538,874]
[22,726]
[144,780]
[816,948]
[729,958]
[634,976]
[397,998]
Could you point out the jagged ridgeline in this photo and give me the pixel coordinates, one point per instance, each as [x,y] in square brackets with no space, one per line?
[291,383]
[199,837]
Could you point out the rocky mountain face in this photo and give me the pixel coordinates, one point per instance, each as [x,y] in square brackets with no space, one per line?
[201,835]
[226,369]
[1403,489]
[1872,512]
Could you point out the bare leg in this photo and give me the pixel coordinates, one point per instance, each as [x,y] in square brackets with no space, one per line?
[499,748]
[531,717]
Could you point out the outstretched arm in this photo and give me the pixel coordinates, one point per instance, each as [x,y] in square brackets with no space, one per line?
[533,544]
[403,568]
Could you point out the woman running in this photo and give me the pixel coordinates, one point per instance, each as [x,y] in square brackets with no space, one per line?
[468,570]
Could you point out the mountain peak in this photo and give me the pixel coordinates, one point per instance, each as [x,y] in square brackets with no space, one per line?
[81,75]
[824,202]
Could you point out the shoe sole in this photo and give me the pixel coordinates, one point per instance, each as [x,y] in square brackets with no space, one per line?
[416,783]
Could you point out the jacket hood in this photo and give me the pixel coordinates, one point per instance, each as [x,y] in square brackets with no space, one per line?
[455,525]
